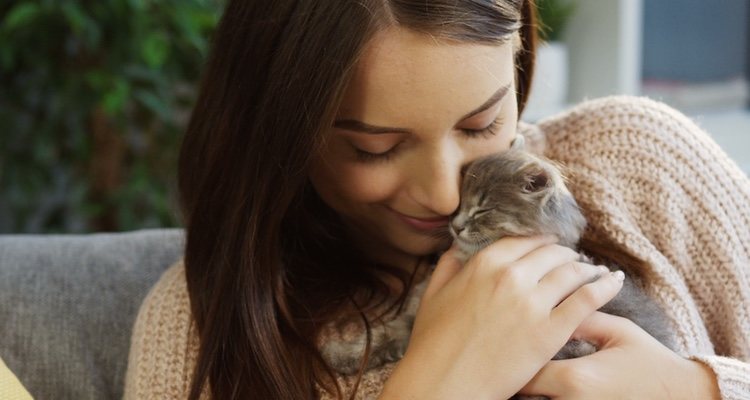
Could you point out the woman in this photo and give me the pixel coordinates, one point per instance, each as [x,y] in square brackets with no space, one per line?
[317,175]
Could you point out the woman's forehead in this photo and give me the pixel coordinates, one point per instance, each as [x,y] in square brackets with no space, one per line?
[404,74]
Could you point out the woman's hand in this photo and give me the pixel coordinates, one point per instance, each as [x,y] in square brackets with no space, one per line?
[483,330]
[630,364]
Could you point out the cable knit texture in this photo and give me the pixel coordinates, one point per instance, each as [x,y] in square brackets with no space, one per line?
[648,179]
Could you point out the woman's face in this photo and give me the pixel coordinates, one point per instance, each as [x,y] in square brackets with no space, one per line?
[416,112]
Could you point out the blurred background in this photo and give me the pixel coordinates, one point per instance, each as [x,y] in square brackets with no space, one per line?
[95,94]
[94,97]
[691,54]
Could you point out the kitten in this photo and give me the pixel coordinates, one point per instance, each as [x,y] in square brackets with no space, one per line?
[514,193]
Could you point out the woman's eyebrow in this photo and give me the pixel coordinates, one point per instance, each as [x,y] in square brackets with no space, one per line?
[489,103]
[359,126]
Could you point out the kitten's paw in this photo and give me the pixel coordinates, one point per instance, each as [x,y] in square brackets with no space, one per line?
[395,350]
[574,349]
[343,357]
[389,342]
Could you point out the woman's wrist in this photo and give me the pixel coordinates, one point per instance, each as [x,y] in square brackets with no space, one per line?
[399,385]
[419,379]
[406,383]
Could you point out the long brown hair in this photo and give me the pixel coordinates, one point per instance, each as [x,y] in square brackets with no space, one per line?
[266,262]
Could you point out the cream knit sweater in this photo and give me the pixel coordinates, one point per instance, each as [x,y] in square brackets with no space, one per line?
[648,179]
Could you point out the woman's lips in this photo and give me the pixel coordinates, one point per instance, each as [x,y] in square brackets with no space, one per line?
[422,224]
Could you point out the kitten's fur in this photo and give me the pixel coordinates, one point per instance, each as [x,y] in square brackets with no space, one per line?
[510,194]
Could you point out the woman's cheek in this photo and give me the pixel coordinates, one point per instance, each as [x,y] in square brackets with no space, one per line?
[370,182]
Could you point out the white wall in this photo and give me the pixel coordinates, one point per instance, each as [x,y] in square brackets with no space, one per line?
[604,40]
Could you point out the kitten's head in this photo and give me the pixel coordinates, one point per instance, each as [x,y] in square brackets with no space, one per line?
[514,193]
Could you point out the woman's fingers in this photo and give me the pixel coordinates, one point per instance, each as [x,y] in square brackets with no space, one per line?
[497,293]
[533,255]
[600,328]
[507,251]
[540,261]
[562,281]
[586,299]
[447,267]
[548,382]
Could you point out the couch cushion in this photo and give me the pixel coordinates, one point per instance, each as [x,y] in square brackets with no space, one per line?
[68,303]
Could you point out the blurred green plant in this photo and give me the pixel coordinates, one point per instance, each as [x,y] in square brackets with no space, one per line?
[94,96]
[553,17]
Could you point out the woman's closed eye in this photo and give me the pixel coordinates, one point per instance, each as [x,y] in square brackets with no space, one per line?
[486,132]
[381,147]
[366,156]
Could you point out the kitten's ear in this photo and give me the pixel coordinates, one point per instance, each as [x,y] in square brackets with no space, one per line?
[535,180]
[518,142]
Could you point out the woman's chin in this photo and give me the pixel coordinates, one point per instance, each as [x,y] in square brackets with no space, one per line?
[421,245]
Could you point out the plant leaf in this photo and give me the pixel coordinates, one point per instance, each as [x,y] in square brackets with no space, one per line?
[152,102]
[155,49]
[115,99]
[21,14]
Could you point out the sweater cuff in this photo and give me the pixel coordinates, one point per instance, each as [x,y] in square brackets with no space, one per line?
[732,375]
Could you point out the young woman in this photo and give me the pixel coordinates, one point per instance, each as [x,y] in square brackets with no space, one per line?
[317,176]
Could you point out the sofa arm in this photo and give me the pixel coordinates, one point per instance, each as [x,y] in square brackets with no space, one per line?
[68,303]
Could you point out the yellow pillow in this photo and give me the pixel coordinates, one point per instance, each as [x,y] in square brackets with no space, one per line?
[10,386]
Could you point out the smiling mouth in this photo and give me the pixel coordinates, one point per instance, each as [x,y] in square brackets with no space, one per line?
[422,224]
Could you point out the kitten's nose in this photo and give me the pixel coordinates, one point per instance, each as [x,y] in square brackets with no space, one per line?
[458,228]
[458,223]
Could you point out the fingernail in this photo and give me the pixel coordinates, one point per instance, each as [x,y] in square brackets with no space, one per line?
[603,269]
[619,275]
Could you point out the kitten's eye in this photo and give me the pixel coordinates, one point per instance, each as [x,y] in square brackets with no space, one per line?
[535,182]
[480,212]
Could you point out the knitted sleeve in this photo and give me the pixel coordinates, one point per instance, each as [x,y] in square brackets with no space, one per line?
[654,184]
[163,343]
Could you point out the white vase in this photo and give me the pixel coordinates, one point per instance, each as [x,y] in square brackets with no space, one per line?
[549,88]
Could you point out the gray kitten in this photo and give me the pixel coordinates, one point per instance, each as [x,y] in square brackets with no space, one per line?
[514,193]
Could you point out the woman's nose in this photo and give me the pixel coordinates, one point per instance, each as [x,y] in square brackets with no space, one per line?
[438,181]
